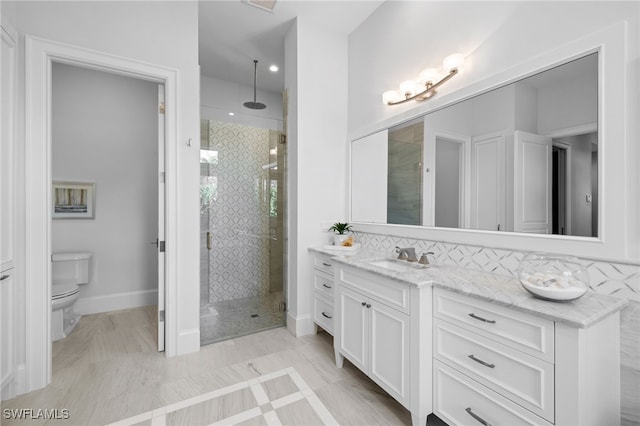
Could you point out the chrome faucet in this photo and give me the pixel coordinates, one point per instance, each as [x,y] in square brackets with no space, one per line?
[407,253]
[424,260]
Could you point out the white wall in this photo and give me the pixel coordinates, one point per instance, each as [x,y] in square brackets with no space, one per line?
[164,34]
[316,78]
[570,104]
[220,97]
[105,130]
[500,40]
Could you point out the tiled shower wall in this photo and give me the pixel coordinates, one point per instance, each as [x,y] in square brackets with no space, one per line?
[615,279]
[239,218]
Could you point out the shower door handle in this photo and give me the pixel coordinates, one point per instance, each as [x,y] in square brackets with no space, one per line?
[208,240]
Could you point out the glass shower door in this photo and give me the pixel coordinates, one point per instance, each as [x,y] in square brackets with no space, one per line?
[242,226]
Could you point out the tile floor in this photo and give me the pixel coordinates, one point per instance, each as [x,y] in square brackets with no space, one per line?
[108,370]
[239,317]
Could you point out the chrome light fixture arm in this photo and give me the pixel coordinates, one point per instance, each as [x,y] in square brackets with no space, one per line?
[430,90]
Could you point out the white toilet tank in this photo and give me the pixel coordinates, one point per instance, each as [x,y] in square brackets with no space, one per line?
[70,268]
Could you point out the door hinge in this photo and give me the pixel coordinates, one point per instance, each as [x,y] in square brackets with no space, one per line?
[283,139]
[161,177]
[161,246]
[162,107]
[161,316]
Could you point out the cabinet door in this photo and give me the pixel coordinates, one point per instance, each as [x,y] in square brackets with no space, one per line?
[390,351]
[6,330]
[353,327]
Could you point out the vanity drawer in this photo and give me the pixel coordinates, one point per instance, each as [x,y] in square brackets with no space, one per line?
[385,291]
[323,262]
[459,400]
[323,313]
[323,283]
[522,378]
[527,333]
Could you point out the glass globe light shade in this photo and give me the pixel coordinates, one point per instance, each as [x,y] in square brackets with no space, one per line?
[430,74]
[409,86]
[454,61]
[391,96]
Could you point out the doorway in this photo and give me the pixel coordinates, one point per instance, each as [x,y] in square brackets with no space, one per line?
[106,130]
[242,222]
[38,61]
[575,185]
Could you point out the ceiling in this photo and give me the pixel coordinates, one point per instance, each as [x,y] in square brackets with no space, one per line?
[232,34]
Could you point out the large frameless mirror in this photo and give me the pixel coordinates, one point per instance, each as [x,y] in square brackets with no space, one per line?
[522,158]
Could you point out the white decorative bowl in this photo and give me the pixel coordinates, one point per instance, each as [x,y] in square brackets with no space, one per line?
[556,278]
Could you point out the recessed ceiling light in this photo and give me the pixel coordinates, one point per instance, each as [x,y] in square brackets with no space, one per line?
[273,68]
[232,113]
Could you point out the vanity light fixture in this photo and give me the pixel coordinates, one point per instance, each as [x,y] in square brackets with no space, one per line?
[425,86]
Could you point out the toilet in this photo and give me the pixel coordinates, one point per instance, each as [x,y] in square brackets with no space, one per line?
[69,270]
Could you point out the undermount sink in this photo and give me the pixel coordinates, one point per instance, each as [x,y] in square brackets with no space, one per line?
[397,265]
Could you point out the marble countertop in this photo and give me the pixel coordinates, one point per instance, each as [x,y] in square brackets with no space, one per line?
[500,289]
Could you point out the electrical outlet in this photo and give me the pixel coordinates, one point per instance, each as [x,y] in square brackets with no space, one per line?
[589,198]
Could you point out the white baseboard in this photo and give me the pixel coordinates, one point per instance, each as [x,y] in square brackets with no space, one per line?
[114,302]
[188,342]
[300,326]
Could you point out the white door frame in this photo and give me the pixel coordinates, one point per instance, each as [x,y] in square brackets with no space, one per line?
[430,163]
[39,55]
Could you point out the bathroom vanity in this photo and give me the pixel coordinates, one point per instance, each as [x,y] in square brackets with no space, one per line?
[475,347]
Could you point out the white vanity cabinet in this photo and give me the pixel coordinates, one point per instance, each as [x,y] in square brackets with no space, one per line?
[378,323]
[323,291]
[509,367]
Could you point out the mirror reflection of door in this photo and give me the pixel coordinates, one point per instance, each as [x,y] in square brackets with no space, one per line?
[449,205]
[575,185]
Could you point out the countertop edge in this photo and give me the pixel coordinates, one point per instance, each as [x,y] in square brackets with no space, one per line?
[609,306]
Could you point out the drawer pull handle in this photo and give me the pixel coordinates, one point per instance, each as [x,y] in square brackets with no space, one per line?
[477,417]
[479,361]
[326,286]
[4,277]
[474,316]
[326,316]
[326,264]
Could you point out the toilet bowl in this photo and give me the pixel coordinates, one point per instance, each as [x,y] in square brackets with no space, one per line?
[69,271]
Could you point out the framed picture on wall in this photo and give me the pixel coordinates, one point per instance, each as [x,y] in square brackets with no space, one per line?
[73,200]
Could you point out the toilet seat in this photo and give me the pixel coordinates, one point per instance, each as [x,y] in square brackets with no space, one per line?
[60,291]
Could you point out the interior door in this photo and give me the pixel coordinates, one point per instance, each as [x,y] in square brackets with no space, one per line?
[488,191]
[533,167]
[161,214]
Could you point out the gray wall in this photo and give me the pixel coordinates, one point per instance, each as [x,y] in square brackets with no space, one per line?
[105,131]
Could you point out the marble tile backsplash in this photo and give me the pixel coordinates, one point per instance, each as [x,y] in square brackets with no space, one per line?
[615,279]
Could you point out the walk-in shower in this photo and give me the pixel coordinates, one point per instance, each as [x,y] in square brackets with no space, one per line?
[242,222]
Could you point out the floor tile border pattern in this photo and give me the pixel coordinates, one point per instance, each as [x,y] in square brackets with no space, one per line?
[159,415]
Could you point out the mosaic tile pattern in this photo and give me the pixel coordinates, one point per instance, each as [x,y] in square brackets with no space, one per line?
[239,217]
[616,279]
[278,398]
[232,318]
